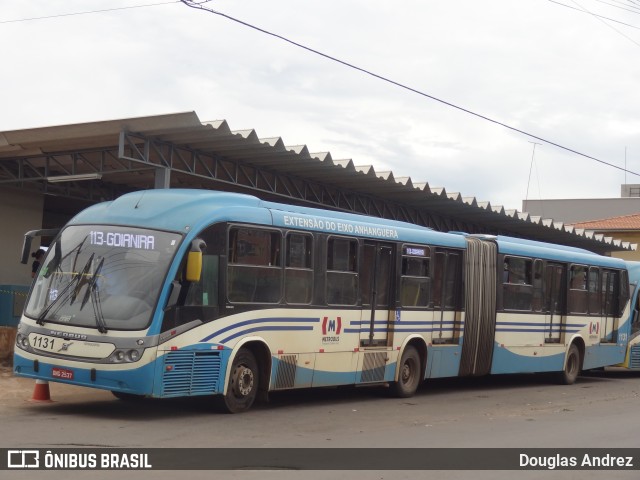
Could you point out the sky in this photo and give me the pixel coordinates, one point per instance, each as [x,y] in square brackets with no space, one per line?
[546,68]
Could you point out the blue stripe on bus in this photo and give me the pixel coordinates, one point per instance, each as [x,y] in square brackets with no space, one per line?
[411,330]
[434,322]
[401,322]
[536,324]
[260,320]
[271,328]
[539,330]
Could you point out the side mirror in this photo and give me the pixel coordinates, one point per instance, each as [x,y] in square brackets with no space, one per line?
[194,260]
[28,237]
[194,266]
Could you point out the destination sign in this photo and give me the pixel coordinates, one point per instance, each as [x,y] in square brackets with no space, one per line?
[122,240]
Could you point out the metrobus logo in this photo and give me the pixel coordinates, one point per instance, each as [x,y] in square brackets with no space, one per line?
[333,326]
[331,330]
[594,328]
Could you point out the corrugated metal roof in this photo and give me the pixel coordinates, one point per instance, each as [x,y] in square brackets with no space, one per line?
[246,147]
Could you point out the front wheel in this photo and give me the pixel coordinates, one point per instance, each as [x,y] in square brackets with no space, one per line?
[409,374]
[571,367]
[243,383]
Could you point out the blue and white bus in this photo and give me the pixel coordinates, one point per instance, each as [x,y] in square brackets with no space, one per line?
[631,332]
[166,293]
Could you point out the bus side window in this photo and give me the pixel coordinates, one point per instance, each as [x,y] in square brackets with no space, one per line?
[593,286]
[342,277]
[298,273]
[199,300]
[205,292]
[518,286]
[538,292]
[610,280]
[415,284]
[254,269]
[447,278]
[577,300]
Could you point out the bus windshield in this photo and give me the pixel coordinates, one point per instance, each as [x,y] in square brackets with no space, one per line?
[104,277]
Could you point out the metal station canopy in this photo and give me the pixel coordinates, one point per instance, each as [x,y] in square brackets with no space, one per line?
[98,161]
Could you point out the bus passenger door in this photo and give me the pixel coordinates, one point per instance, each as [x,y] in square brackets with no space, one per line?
[610,292]
[376,282]
[447,321]
[554,295]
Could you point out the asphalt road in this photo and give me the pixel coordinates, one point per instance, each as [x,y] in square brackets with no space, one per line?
[600,410]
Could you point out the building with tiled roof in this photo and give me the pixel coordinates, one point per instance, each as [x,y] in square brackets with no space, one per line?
[623,222]
[624,227]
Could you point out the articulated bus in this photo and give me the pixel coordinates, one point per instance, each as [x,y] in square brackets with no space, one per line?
[167,293]
[632,357]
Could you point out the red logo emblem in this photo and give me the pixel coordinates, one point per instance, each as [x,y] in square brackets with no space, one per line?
[333,326]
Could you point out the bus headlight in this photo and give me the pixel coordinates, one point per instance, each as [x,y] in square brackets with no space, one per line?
[22,341]
[133,355]
[126,356]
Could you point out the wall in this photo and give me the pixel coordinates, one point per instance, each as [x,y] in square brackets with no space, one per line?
[572,211]
[626,236]
[20,211]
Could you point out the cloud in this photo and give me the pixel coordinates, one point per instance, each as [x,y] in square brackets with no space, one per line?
[550,71]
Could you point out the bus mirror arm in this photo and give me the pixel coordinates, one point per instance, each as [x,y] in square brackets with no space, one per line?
[174,295]
[28,237]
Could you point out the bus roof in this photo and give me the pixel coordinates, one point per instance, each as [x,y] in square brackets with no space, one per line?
[550,251]
[185,210]
[189,211]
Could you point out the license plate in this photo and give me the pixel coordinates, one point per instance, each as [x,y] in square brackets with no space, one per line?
[62,373]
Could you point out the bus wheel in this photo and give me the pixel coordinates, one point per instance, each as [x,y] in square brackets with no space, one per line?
[243,383]
[572,366]
[409,374]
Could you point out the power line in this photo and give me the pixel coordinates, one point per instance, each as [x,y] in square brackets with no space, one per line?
[199,6]
[583,10]
[88,12]
[621,8]
[600,20]
[627,4]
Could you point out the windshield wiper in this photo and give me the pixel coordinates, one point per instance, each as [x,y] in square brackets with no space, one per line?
[63,294]
[82,281]
[92,291]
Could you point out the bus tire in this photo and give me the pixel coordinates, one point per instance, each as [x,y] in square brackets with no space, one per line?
[243,383]
[408,374]
[571,369]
